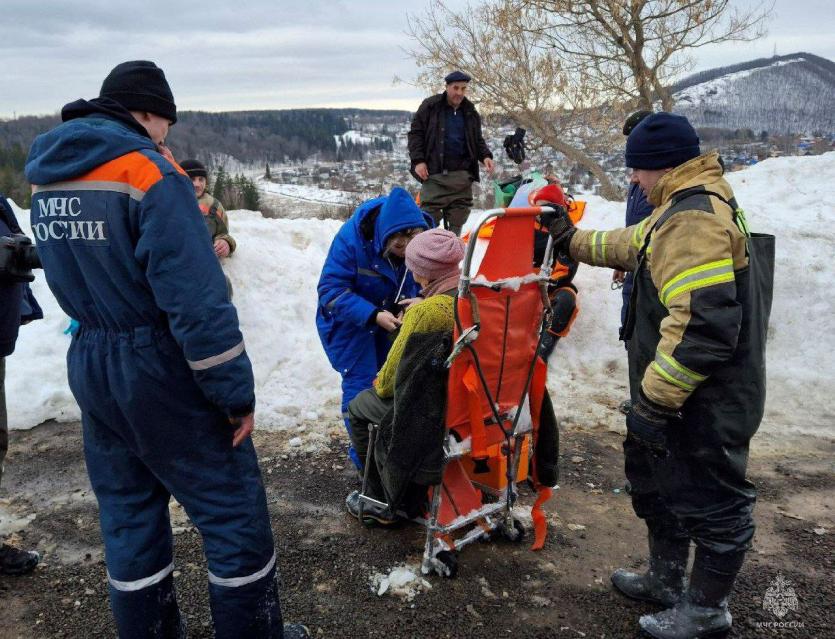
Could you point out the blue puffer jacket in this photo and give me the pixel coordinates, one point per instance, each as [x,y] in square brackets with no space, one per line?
[357,280]
[124,247]
[17,304]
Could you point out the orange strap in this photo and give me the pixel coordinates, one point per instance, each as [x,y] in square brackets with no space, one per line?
[477,431]
[540,524]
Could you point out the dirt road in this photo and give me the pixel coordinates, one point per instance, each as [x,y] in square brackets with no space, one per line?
[328,560]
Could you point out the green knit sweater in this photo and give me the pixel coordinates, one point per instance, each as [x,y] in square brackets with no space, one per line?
[432,314]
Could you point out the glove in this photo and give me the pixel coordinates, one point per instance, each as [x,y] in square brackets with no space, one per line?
[562,230]
[647,423]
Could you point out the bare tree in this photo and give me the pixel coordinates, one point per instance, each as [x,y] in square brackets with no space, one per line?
[569,71]
[632,49]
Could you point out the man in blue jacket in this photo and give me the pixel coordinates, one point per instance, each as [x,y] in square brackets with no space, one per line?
[158,364]
[17,307]
[637,209]
[363,281]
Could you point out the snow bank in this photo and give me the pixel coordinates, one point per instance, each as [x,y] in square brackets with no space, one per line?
[276,268]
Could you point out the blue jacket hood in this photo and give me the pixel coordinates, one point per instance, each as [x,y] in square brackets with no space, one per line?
[398,213]
[75,147]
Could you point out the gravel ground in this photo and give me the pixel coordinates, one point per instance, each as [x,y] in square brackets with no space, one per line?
[327,560]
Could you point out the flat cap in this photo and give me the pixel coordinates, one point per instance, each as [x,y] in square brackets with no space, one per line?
[457,76]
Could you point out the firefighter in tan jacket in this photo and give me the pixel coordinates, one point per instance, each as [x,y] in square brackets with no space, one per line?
[697,330]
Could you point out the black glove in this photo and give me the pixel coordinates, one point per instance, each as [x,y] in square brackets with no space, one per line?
[647,423]
[562,230]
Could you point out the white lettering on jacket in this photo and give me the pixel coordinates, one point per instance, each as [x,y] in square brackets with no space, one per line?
[70,230]
[60,207]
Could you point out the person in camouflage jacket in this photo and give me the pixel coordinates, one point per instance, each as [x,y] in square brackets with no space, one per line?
[696,328]
[213,211]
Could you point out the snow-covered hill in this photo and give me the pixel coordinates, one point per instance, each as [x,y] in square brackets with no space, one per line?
[277,264]
[786,94]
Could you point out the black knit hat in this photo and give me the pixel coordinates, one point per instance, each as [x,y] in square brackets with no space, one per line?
[633,120]
[194,168]
[661,141]
[140,85]
[457,76]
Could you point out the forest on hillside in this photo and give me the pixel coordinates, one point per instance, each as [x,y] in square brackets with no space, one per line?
[247,136]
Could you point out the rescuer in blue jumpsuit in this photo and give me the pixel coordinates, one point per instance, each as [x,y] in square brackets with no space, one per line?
[158,364]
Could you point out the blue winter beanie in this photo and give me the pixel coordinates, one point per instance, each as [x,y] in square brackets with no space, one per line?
[661,141]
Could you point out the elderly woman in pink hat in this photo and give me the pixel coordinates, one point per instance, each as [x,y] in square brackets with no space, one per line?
[434,258]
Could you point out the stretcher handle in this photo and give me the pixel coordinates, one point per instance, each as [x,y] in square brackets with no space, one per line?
[526,211]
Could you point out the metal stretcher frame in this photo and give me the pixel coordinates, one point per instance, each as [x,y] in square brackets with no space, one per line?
[494,517]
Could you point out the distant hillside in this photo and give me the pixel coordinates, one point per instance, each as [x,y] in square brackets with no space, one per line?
[246,136]
[784,94]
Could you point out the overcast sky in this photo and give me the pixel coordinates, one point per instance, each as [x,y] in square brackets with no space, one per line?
[271,54]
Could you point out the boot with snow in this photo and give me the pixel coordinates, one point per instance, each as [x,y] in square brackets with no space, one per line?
[663,583]
[704,610]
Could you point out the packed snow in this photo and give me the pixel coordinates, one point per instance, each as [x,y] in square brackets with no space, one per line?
[405,582]
[276,267]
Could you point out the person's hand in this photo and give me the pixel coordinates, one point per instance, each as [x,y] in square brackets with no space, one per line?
[166,153]
[562,230]
[618,276]
[387,321]
[422,171]
[647,422]
[222,248]
[489,165]
[245,426]
[409,302]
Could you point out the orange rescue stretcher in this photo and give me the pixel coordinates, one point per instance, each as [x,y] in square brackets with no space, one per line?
[495,391]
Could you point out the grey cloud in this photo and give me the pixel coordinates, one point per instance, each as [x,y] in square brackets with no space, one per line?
[221,54]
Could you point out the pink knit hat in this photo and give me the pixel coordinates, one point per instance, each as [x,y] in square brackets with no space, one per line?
[434,254]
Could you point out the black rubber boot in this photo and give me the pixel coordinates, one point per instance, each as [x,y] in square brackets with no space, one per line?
[663,583]
[704,610]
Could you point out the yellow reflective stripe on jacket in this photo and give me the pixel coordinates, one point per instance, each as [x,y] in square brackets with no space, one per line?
[697,277]
[675,373]
[638,235]
[598,247]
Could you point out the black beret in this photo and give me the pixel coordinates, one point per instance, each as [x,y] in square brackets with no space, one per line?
[457,76]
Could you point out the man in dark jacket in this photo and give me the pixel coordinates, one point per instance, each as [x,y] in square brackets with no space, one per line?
[697,326]
[158,364]
[637,210]
[445,147]
[17,307]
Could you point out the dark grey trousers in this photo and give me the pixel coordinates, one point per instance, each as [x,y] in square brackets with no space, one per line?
[448,197]
[366,408]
